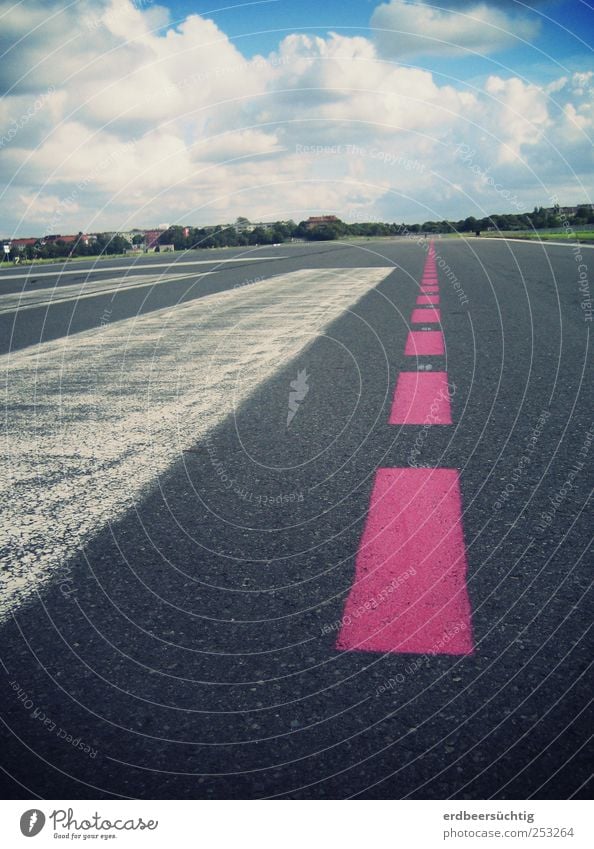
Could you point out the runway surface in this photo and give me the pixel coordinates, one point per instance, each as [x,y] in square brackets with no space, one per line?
[312,523]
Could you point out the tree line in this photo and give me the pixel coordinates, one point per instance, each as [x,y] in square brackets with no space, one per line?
[223,236]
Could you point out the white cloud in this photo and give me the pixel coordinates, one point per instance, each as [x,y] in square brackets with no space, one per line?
[403,28]
[150,122]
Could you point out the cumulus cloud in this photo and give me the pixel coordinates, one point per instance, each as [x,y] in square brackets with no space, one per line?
[141,121]
[403,28]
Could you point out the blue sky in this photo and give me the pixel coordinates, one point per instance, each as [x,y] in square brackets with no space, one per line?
[258,27]
[123,113]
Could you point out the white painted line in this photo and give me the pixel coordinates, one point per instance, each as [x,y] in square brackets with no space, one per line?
[570,243]
[91,420]
[98,270]
[19,301]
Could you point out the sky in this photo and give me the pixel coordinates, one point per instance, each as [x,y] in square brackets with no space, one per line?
[118,114]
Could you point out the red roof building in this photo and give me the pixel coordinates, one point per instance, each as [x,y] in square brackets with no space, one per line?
[317,220]
[21,244]
[83,239]
[151,237]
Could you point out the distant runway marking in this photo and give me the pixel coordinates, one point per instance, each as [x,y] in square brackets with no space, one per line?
[410,590]
[428,299]
[541,244]
[419,343]
[421,398]
[99,270]
[426,316]
[19,301]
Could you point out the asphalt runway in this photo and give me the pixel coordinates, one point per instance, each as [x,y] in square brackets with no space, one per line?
[185,530]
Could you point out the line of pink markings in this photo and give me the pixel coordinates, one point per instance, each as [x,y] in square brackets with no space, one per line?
[410,592]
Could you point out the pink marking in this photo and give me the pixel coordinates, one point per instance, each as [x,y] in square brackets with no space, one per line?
[428,299]
[420,344]
[430,289]
[421,397]
[410,590]
[429,316]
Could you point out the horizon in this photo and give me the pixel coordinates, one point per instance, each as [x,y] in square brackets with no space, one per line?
[405,110]
[164,227]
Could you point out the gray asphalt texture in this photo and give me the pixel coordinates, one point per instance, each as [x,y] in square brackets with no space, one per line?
[191,644]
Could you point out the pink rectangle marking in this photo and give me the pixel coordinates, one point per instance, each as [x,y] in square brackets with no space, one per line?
[428,290]
[428,299]
[410,593]
[427,316]
[421,397]
[420,344]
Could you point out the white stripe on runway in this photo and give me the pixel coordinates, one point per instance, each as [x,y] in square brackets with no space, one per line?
[93,419]
[131,267]
[18,301]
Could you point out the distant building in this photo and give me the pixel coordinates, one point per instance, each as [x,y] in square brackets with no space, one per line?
[571,210]
[242,225]
[82,238]
[319,220]
[127,235]
[151,238]
[22,244]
